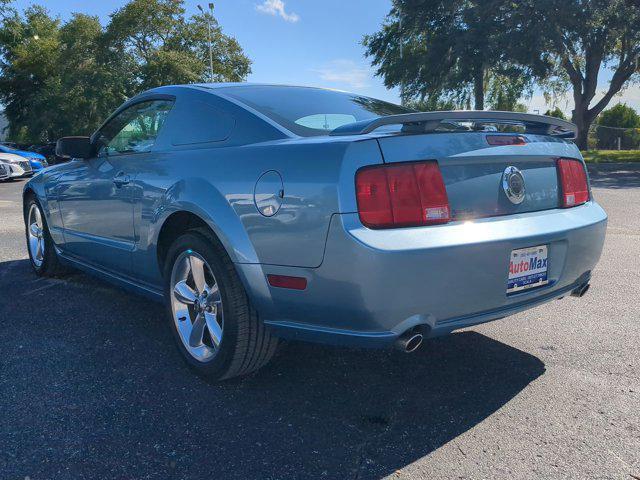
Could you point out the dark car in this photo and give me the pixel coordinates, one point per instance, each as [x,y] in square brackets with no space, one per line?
[48,150]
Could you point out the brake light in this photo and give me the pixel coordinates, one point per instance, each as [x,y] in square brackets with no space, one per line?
[402,195]
[501,140]
[573,182]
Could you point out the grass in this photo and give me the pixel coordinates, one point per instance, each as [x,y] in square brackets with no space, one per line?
[610,156]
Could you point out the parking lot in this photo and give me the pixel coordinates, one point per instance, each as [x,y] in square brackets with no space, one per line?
[91,385]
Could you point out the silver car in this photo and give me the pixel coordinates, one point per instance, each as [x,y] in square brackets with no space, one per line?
[5,171]
[19,166]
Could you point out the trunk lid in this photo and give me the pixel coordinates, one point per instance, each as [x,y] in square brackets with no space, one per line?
[473,170]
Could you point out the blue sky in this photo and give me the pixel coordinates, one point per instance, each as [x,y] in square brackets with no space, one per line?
[305,42]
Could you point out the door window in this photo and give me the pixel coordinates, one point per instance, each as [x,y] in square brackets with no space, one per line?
[135,129]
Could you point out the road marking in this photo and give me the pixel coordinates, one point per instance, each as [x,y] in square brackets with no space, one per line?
[44,287]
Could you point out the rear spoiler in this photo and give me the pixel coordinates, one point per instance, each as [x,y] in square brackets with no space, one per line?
[428,122]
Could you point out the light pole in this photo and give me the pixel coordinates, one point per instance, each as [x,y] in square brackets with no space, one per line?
[208,18]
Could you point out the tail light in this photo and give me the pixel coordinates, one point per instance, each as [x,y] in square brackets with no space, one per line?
[402,195]
[573,182]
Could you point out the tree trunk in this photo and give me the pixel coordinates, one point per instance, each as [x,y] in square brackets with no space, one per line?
[585,83]
[582,139]
[478,89]
[583,118]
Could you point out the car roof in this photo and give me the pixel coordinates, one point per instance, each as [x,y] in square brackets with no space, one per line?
[11,156]
[222,85]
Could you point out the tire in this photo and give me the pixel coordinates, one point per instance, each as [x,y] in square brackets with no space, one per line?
[245,344]
[48,265]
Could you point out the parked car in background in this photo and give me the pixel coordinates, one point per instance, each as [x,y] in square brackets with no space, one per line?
[49,152]
[20,166]
[260,211]
[37,161]
[5,171]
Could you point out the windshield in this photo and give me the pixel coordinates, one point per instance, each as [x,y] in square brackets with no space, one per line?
[309,111]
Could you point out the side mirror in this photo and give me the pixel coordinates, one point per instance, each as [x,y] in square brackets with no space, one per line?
[74,147]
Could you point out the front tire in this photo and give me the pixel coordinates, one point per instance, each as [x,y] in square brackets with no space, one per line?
[216,330]
[42,253]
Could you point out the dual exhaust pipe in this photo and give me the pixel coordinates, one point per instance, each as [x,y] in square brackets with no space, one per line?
[412,339]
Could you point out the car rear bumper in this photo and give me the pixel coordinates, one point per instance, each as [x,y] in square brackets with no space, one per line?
[373,285]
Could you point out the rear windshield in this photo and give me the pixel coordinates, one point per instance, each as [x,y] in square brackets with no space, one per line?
[309,111]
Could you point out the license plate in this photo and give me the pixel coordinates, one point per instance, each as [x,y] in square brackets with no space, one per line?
[527,268]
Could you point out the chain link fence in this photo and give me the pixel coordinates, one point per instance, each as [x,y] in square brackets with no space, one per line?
[612,138]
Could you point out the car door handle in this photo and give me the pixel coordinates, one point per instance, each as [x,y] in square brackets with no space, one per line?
[121,179]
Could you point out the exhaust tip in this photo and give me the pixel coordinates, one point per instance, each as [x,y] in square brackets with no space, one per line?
[581,291]
[409,341]
[413,343]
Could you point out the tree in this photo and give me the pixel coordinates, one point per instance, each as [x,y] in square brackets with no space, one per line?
[583,36]
[29,48]
[432,105]
[618,126]
[556,112]
[504,93]
[64,78]
[166,47]
[620,116]
[451,49]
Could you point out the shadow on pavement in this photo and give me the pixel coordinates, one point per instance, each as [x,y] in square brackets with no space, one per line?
[92,386]
[614,175]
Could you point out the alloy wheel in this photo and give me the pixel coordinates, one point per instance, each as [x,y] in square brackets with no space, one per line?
[196,304]
[36,235]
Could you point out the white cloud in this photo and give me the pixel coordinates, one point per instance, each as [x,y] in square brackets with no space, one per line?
[345,72]
[275,8]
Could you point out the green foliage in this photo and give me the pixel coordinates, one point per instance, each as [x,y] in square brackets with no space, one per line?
[64,78]
[582,37]
[462,49]
[29,48]
[556,112]
[451,49]
[620,116]
[620,125]
[166,47]
[432,104]
[505,90]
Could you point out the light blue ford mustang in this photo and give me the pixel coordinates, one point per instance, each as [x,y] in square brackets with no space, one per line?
[260,212]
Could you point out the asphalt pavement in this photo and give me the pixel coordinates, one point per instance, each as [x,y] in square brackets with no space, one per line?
[91,385]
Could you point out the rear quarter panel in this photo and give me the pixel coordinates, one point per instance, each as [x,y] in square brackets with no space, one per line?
[218,184]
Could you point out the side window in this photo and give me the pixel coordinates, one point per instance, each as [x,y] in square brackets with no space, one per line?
[199,122]
[135,129]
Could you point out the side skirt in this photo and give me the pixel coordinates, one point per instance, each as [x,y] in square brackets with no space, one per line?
[120,281]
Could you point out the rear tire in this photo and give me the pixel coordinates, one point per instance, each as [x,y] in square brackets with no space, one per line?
[42,253]
[234,341]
